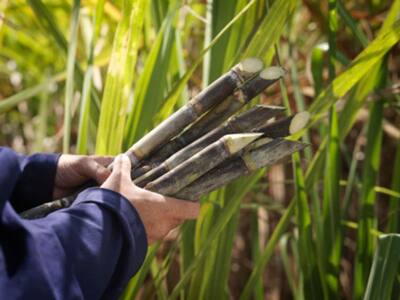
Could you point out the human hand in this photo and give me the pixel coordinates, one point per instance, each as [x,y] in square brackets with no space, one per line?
[74,170]
[159,214]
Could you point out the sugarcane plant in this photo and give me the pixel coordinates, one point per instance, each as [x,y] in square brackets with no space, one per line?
[204,145]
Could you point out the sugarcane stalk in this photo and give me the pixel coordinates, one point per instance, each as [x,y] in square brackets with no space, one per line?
[197,106]
[251,160]
[47,208]
[202,162]
[219,113]
[244,122]
[286,126]
[230,170]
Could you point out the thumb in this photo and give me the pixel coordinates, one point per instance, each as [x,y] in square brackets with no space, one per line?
[122,166]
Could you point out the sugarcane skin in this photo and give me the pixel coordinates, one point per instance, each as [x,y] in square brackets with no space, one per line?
[188,171]
[204,161]
[254,117]
[277,129]
[251,87]
[234,168]
[231,142]
[212,95]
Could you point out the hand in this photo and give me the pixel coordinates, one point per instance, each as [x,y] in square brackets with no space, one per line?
[159,214]
[74,170]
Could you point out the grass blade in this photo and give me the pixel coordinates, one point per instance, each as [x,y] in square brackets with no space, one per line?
[360,66]
[331,196]
[367,219]
[267,252]
[84,117]
[270,30]
[29,93]
[69,85]
[152,83]
[119,78]
[229,210]
[394,217]
[384,269]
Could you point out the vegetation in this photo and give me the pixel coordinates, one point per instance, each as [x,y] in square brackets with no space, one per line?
[94,76]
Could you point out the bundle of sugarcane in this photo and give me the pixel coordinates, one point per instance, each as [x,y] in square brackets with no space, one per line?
[204,145]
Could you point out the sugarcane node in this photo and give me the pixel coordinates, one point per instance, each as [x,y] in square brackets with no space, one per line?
[230,170]
[258,143]
[151,175]
[215,93]
[259,83]
[254,117]
[200,163]
[242,95]
[140,170]
[276,129]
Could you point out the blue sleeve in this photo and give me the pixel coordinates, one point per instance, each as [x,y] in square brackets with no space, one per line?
[35,182]
[87,251]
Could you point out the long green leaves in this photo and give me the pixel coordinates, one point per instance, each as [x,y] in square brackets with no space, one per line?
[118,85]
[394,218]
[261,45]
[331,196]
[29,93]
[152,84]
[69,89]
[367,219]
[84,117]
[147,58]
[228,212]
[384,269]
[361,65]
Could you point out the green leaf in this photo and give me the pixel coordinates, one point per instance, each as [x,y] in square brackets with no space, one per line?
[385,268]
[270,30]
[84,117]
[152,83]
[367,220]
[394,217]
[229,210]
[29,93]
[119,79]
[361,65]
[69,85]
[259,265]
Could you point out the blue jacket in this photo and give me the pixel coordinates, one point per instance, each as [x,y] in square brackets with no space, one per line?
[87,251]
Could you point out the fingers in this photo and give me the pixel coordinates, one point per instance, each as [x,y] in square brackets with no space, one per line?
[122,165]
[102,160]
[93,169]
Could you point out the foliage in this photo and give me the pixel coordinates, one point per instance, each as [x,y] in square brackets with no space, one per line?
[94,76]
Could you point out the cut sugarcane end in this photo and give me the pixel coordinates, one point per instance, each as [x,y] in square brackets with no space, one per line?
[259,143]
[272,73]
[236,142]
[299,121]
[251,65]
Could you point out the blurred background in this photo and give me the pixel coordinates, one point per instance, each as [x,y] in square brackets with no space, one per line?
[94,76]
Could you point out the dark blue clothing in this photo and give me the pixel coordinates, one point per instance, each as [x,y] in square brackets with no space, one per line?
[87,251]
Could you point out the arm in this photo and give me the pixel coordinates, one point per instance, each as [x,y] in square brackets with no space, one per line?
[88,251]
[34,178]
[91,249]
[40,178]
